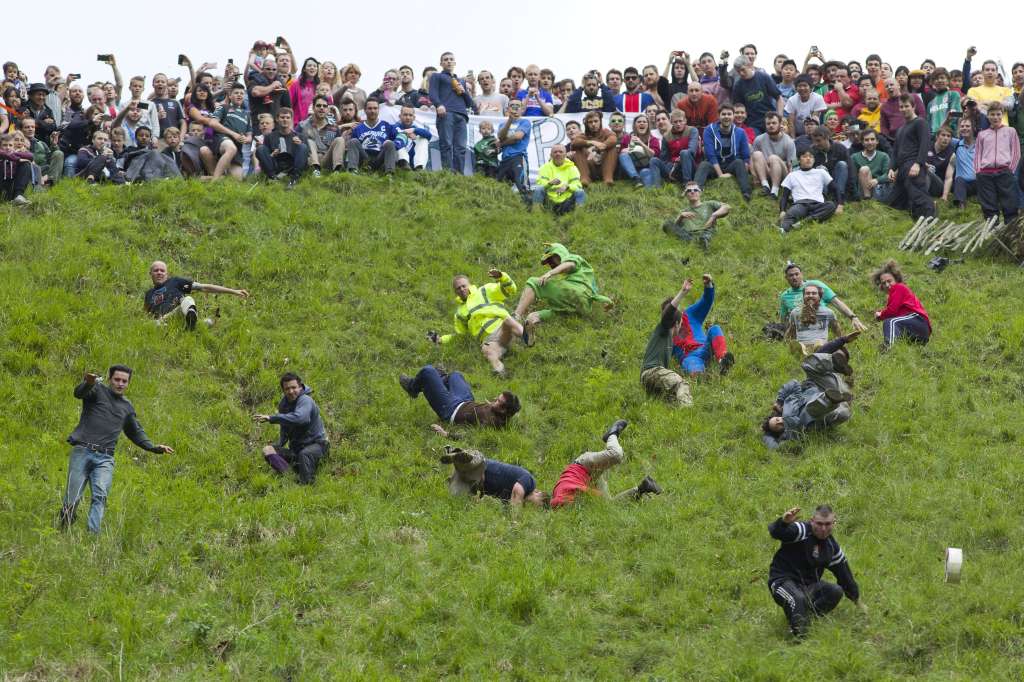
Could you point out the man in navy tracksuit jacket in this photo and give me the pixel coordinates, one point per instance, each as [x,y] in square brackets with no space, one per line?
[453,103]
[794,579]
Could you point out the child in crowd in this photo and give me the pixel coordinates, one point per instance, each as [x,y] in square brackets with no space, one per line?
[486,151]
[805,187]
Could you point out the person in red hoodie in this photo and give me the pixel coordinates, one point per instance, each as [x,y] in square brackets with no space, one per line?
[903,315]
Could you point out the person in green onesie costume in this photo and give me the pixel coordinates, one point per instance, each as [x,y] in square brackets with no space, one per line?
[569,286]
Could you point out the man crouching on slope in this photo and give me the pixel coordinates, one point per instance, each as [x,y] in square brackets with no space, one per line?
[481,313]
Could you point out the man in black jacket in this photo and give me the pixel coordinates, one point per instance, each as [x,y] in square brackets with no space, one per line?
[283,153]
[105,414]
[794,579]
[909,172]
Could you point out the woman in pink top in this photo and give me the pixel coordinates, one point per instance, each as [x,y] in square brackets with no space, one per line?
[903,315]
[303,89]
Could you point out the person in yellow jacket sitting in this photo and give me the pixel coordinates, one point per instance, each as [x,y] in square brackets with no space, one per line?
[558,181]
[482,315]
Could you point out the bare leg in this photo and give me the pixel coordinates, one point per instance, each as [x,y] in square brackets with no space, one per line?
[777,170]
[493,351]
[864,178]
[509,328]
[206,156]
[525,301]
[227,155]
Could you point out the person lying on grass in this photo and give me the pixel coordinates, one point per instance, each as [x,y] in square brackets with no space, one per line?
[481,313]
[586,473]
[451,398]
[819,402]
[568,286]
[171,295]
[473,474]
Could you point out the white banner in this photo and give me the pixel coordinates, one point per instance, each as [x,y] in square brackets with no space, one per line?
[547,132]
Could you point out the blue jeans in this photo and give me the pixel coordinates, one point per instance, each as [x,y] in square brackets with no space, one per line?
[70,164]
[96,469]
[451,141]
[539,194]
[645,175]
[444,394]
[684,167]
[840,176]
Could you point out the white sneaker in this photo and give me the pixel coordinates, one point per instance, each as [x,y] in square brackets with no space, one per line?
[20,201]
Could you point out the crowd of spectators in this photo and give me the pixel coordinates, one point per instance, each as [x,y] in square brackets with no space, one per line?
[813,136]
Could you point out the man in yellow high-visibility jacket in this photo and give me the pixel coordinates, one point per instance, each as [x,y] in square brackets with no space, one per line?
[482,315]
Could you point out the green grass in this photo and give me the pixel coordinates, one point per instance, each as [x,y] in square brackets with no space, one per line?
[210,567]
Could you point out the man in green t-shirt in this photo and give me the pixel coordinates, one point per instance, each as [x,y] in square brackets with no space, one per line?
[570,286]
[697,221]
[793,296]
[871,168]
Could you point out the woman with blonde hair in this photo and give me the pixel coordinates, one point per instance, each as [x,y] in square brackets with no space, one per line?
[329,74]
[350,75]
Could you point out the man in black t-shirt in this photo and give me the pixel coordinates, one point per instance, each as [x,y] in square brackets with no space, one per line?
[939,157]
[475,475]
[171,295]
[267,92]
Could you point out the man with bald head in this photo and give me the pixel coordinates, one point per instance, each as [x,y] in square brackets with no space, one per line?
[172,295]
[558,183]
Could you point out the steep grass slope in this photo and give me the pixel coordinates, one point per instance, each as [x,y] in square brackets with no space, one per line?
[210,567]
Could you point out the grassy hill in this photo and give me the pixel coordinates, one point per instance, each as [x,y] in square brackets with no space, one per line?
[210,567]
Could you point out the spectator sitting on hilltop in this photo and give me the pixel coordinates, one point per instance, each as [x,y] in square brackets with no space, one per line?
[773,154]
[283,153]
[596,150]
[372,143]
[639,155]
[326,145]
[558,183]
[47,157]
[412,142]
[96,161]
[871,167]
[15,171]
[680,146]
[726,152]
[803,194]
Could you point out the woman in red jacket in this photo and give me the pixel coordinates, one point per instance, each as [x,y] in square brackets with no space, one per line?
[903,316]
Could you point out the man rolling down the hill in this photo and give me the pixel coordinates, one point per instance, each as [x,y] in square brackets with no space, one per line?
[473,474]
[569,286]
[482,315]
[794,579]
[655,374]
[586,474]
[451,399]
[792,297]
[690,343]
[171,295]
[819,402]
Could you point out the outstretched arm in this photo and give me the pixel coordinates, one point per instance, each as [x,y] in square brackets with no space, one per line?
[217,289]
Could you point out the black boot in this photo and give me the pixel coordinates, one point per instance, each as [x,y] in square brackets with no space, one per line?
[648,485]
[615,429]
[407,385]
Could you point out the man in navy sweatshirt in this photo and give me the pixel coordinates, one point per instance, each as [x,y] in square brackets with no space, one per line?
[105,414]
[794,579]
[453,104]
[301,429]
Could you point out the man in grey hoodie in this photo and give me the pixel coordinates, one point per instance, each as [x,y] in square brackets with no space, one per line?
[301,429]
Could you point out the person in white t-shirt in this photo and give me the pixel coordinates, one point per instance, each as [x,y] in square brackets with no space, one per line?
[803,104]
[803,194]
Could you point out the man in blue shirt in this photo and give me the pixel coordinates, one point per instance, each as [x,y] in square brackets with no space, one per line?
[453,104]
[536,100]
[964,180]
[475,475]
[372,142]
[514,136]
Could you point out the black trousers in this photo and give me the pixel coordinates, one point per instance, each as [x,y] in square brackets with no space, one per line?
[912,193]
[801,602]
[512,170]
[306,460]
[997,192]
[293,164]
[16,186]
